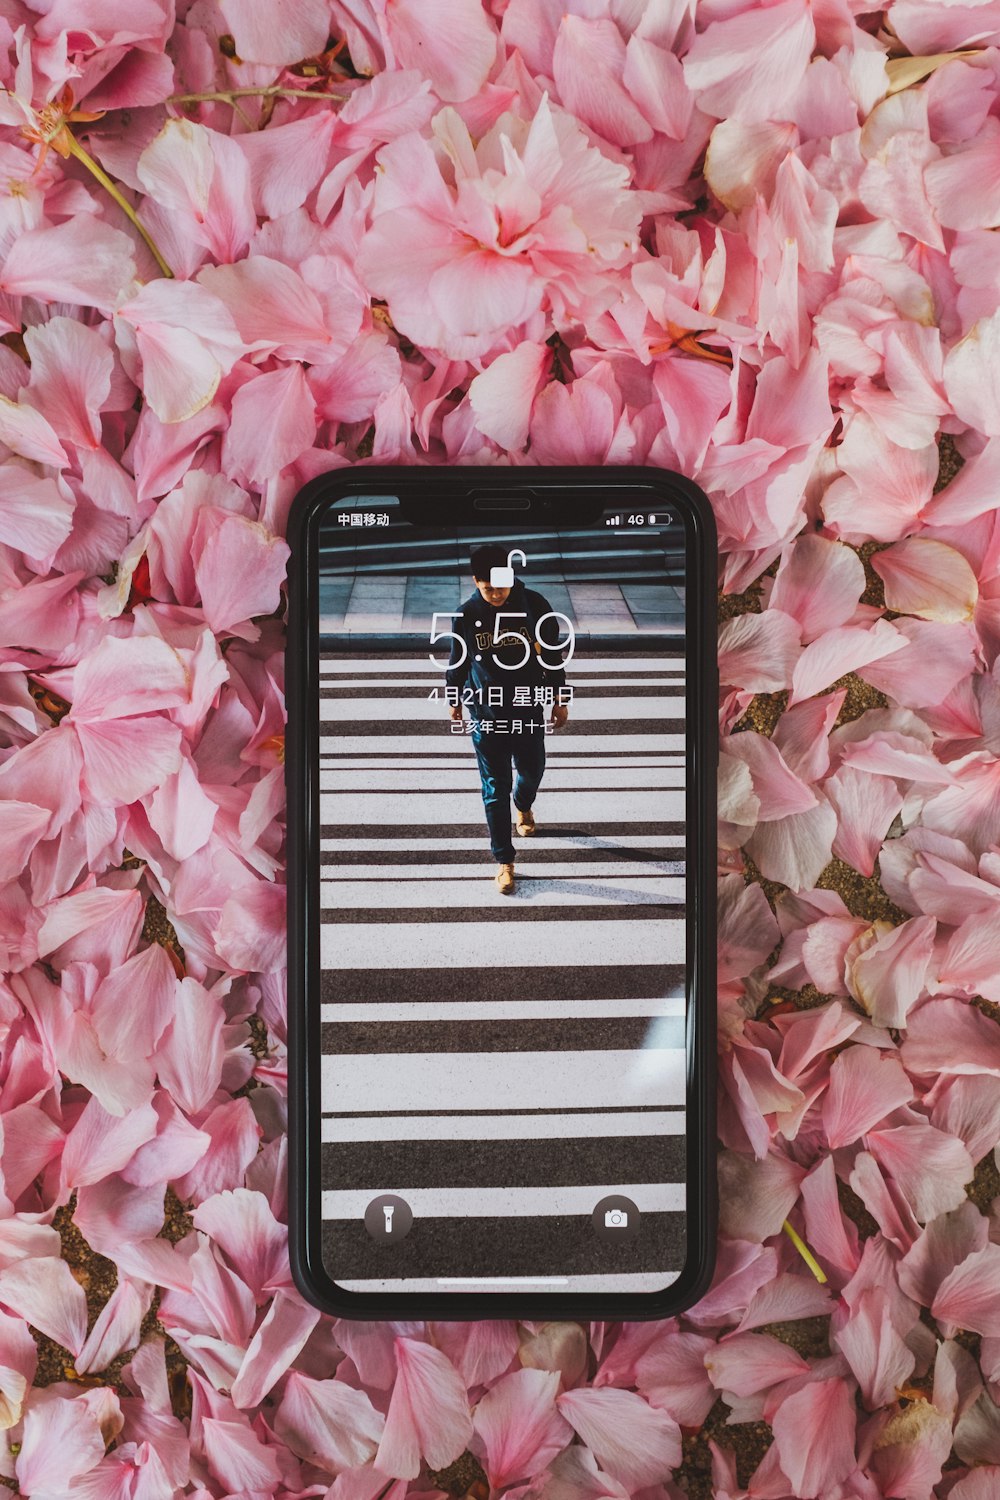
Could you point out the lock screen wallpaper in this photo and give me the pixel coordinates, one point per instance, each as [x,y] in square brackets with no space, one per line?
[502,773]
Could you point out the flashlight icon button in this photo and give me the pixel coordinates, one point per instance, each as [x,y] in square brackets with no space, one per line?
[388,1218]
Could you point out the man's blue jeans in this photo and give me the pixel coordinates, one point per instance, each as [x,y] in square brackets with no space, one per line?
[509,764]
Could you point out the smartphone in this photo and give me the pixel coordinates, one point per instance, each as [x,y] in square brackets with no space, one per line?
[501,756]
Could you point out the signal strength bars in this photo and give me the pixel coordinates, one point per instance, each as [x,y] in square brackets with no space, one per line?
[613,521]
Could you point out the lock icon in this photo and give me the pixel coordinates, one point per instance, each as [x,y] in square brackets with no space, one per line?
[503,578]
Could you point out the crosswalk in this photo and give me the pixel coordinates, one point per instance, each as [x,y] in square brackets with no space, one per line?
[502,1063]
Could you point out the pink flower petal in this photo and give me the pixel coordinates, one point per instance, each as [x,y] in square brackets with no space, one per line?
[451,42]
[518,1426]
[328,1423]
[865,1086]
[814,1431]
[746,1363]
[502,395]
[631,1441]
[428,1413]
[81,261]
[44,1292]
[927,578]
[967,1297]
[748,65]
[273,422]
[930,1168]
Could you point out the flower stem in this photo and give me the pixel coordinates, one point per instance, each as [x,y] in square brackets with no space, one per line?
[84,156]
[805,1252]
[270,91]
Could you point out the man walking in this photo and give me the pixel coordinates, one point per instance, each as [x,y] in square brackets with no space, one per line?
[508,678]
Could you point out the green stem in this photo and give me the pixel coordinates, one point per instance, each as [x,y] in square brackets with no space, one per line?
[84,156]
[805,1252]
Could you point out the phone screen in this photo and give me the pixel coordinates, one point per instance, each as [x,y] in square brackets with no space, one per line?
[503,949]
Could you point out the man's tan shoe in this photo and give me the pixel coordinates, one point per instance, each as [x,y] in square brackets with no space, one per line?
[505,880]
[525,823]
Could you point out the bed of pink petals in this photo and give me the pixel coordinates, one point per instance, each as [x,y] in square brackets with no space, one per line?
[382,274]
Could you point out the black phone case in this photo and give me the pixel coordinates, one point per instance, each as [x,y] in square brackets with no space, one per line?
[447,493]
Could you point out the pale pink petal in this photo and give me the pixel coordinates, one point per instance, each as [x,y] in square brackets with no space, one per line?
[122,677]
[587,64]
[746,1363]
[837,652]
[930,1168]
[779,791]
[237,1458]
[273,422]
[242,1224]
[202,176]
[328,1423]
[233,1142]
[100,1144]
[693,394]
[946,1242]
[796,849]
[71,372]
[276,1343]
[756,1196]
[927,578]
[118,1325]
[866,806]
[282,33]
[874,1349]
[759,652]
[970,1109]
[885,1201]
[183,340]
[502,395]
[239,567]
[671,1375]
[829,1233]
[61,1440]
[887,970]
[977,1484]
[951,1036]
[250,934]
[45,1293]
[655,79]
[743,158]
[786,1297]
[887,484]
[747,927]
[275,310]
[96,924]
[748,65]
[428,1413]
[971,963]
[634,1443]
[190,1055]
[26,432]
[451,42]
[35,513]
[802,735]
[124,759]
[971,377]
[818,583]
[482,1351]
[518,1426]
[82,261]
[967,1297]
[865,1086]
[814,1431]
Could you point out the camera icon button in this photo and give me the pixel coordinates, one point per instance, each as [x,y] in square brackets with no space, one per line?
[616,1218]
